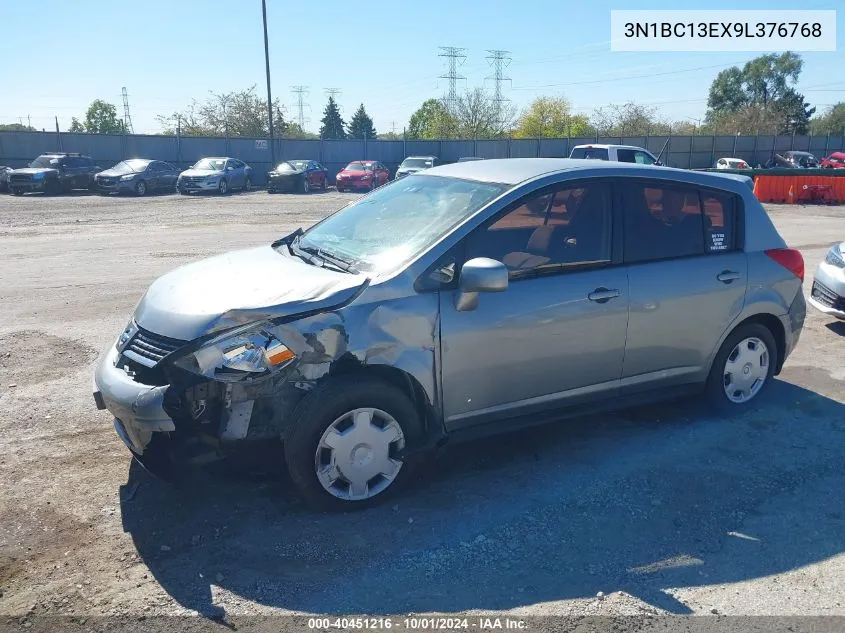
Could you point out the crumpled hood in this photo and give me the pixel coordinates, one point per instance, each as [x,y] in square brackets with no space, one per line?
[31,171]
[409,170]
[240,287]
[202,172]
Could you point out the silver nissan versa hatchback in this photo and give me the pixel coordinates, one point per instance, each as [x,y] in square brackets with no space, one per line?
[470,298]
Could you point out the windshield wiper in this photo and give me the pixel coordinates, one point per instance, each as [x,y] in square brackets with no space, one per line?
[341,263]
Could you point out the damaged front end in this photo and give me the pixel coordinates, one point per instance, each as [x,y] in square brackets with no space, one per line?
[177,402]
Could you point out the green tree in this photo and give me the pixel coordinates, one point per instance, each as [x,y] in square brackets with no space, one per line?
[236,113]
[628,119]
[332,122]
[76,126]
[432,120]
[831,122]
[478,116]
[101,118]
[361,125]
[16,127]
[762,93]
[550,117]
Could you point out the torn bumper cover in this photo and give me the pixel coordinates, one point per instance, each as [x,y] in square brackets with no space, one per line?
[138,409]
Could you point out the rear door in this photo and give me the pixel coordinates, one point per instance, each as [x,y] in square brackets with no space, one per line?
[687,279]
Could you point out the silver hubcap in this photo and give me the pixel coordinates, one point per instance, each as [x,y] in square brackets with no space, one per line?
[223,186]
[305,185]
[746,370]
[248,185]
[142,188]
[355,457]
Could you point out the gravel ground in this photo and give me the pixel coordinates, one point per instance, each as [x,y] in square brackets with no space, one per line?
[656,510]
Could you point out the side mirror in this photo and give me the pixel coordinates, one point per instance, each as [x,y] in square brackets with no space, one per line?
[481,274]
[658,163]
[230,168]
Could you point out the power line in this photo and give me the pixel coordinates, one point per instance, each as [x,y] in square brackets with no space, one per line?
[301,92]
[499,60]
[455,57]
[127,119]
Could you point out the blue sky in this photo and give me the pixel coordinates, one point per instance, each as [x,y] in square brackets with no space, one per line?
[167,52]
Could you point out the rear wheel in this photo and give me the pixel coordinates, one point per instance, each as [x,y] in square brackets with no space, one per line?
[248,185]
[743,368]
[344,451]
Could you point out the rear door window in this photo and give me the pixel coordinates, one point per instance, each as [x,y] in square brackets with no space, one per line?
[643,158]
[597,153]
[662,222]
[626,156]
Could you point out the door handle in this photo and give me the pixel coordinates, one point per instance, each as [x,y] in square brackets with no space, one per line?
[602,295]
[727,276]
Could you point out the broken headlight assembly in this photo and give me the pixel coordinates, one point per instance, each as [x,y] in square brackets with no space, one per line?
[835,257]
[241,354]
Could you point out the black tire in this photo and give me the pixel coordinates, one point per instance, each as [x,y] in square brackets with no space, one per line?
[271,190]
[54,187]
[183,192]
[16,192]
[325,186]
[247,185]
[304,187]
[141,188]
[715,388]
[223,187]
[320,409]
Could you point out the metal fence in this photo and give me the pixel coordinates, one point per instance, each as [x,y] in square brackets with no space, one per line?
[688,152]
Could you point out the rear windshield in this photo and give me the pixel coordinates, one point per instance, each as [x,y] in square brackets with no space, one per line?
[597,153]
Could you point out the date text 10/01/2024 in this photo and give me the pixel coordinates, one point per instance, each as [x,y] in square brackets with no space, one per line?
[421,623]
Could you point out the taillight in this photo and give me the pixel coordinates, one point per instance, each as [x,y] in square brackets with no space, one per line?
[790,259]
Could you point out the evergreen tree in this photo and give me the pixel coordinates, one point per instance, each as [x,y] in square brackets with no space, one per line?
[332,123]
[361,125]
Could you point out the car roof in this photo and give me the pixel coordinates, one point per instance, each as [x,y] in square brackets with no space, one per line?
[800,152]
[606,146]
[425,156]
[514,171]
[837,154]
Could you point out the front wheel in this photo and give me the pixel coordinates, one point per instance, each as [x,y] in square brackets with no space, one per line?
[248,185]
[141,188]
[743,367]
[223,187]
[344,452]
[304,186]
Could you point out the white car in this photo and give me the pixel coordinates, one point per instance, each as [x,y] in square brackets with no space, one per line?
[615,153]
[732,163]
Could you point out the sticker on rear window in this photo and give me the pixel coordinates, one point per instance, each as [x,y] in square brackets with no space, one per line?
[717,242]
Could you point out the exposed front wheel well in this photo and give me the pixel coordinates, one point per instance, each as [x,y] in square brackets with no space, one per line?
[774,325]
[405,382]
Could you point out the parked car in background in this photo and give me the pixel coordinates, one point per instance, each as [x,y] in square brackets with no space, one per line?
[466,299]
[732,163]
[835,161]
[413,164]
[138,176]
[4,177]
[828,291]
[218,174]
[298,175]
[362,174]
[802,160]
[464,159]
[54,172]
[615,153]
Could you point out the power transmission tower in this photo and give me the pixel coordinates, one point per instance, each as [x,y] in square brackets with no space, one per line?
[393,127]
[333,92]
[499,60]
[301,92]
[455,58]
[127,119]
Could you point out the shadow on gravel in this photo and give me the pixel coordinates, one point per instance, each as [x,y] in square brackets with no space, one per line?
[837,327]
[656,498]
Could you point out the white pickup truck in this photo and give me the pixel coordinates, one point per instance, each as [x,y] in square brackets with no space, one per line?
[617,153]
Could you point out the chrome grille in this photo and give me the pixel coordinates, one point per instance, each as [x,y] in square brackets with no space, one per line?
[193,179]
[826,296]
[20,177]
[148,348]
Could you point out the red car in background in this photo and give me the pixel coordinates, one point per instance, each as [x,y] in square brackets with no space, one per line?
[362,174]
[835,160]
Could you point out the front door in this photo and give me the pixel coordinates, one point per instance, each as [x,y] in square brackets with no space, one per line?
[687,279]
[556,336]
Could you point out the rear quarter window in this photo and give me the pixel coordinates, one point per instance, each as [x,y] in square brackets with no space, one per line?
[719,222]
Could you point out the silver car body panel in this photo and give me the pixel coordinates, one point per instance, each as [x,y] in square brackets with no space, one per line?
[540,344]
